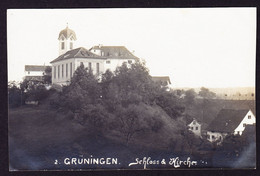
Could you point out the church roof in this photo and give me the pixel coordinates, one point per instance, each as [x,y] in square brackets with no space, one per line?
[77,53]
[161,79]
[67,33]
[227,120]
[120,52]
[34,67]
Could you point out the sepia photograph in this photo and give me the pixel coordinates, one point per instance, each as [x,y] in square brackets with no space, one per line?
[131,88]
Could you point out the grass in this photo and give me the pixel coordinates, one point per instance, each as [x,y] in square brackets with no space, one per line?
[38,135]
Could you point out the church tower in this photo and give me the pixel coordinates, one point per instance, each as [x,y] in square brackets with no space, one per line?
[67,37]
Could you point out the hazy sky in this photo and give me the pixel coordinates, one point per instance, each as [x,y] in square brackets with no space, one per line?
[211,47]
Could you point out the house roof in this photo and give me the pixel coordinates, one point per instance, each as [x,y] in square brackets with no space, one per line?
[189,122]
[120,52]
[67,32]
[161,79]
[227,120]
[34,67]
[77,53]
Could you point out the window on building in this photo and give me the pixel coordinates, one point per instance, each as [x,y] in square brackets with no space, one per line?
[66,70]
[89,66]
[208,136]
[249,116]
[108,62]
[71,45]
[58,71]
[97,68]
[108,53]
[62,69]
[81,63]
[197,128]
[54,72]
[62,45]
[213,137]
[28,72]
[194,122]
[71,69]
[244,124]
[191,128]
[129,61]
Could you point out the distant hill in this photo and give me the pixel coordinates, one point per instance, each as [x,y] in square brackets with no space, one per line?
[233,93]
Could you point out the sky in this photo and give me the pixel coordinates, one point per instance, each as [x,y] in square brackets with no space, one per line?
[195,47]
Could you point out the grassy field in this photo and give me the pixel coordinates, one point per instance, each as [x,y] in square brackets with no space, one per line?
[39,135]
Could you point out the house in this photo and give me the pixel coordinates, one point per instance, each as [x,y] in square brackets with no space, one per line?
[165,80]
[34,72]
[195,127]
[229,121]
[98,58]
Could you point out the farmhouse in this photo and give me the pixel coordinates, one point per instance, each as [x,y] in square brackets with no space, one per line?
[195,127]
[229,121]
[34,72]
[98,58]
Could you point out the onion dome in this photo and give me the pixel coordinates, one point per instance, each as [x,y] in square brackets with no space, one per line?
[67,33]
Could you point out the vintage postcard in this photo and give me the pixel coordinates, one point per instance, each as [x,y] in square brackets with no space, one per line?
[106,89]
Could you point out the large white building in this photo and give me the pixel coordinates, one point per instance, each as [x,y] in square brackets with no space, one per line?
[98,58]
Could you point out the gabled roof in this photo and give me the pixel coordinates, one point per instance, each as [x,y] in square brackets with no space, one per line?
[67,33]
[227,120]
[161,79]
[34,67]
[77,53]
[191,121]
[120,52]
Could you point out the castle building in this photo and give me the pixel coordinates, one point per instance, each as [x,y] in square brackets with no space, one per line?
[98,58]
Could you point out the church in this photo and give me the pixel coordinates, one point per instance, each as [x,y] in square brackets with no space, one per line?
[98,58]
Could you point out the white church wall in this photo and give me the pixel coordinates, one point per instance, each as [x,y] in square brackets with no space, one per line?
[57,76]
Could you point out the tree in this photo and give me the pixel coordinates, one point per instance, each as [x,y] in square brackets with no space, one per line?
[189,97]
[206,94]
[136,119]
[34,89]
[84,89]
[47,76]
[15,98]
